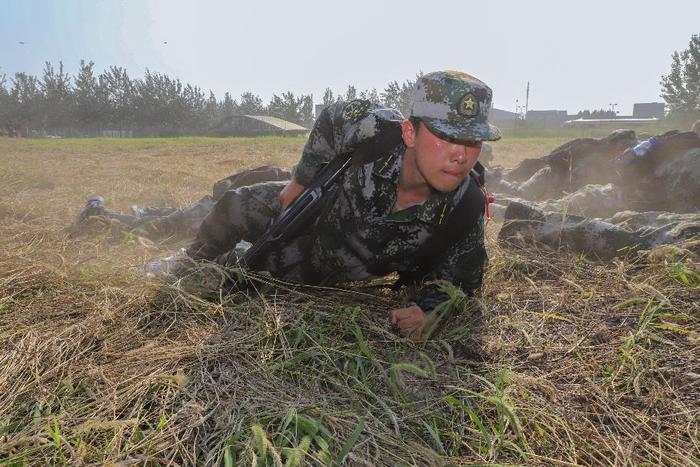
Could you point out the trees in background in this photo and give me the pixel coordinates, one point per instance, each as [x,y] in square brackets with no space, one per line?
[25,105]
[681,87]
[293,109]
[228,106]
[601,113]
[164,105]
[119,90]
[328,98]
[56,99]
[91,109]
[398,96]
[157,104]
[5,102]
[89,103]
[251,104]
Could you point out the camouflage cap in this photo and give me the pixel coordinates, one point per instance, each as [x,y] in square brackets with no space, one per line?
[454,105]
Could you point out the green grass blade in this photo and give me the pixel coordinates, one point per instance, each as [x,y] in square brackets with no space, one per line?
[350,443]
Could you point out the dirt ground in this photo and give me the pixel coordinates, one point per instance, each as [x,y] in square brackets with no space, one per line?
[562,360]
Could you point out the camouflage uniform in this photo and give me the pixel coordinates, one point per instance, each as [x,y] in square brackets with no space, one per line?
[566,169]
[625,232]
[157,221]
[358,235]
[666,179]
[589,201]
[630,214]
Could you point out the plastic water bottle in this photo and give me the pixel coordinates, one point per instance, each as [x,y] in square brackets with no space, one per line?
[639,152]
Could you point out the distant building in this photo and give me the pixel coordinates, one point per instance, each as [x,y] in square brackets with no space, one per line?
[623,122]
[503,118]
[649,110]
[547,118]
[256,125]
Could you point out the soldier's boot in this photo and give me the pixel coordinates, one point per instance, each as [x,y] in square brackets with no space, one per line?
[138,211]
[94,207]
[92,218]
[172,267]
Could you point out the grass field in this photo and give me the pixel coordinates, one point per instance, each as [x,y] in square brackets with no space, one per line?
[561,361]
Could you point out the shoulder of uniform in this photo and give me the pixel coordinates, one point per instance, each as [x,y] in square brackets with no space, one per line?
[355,110]
[389,166]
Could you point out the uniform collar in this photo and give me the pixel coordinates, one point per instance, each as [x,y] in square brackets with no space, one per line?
[389,167]
[436,209]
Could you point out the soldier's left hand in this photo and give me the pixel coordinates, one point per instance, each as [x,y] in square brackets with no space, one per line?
[409,320]
[290,192]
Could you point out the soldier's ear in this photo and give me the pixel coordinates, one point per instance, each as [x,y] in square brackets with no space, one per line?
[408,133]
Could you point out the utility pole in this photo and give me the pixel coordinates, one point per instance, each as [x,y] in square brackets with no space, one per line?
[527,98]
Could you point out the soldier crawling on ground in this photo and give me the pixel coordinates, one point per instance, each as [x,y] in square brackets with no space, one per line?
[567,168]
[624,233]
[654,200]
[380,218]
[160,222]
[603,182]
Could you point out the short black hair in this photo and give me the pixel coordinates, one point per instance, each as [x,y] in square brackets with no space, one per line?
[415,121]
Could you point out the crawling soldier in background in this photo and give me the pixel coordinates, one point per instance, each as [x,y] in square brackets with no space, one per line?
[160,222]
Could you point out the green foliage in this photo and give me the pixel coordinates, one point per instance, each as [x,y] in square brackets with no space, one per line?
[23,108]
[398,96]
[293,109]
[328,98]
[294,440]
[600,113]
[681,86]
[351,93]
[350,443]
[57,98]
[154,105]
[89,98]
[684,274]
[495,417]
[251,104]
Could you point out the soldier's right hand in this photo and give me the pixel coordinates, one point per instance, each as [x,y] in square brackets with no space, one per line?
[290,192]
[408,320]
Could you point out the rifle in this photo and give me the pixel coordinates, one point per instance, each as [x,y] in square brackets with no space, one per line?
[299,213]
[305,208]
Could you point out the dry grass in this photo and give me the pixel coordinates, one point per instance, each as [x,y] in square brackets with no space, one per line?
[509,151]
[562,361]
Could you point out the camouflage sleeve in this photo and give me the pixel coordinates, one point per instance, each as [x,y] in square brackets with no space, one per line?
[319,148]
[340,129]
[462,264]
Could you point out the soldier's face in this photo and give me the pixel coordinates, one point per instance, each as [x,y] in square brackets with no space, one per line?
[443,164]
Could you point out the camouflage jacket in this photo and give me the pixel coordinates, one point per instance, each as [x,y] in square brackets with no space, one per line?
[359,235]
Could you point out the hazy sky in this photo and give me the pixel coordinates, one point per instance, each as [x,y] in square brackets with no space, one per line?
[577,55]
